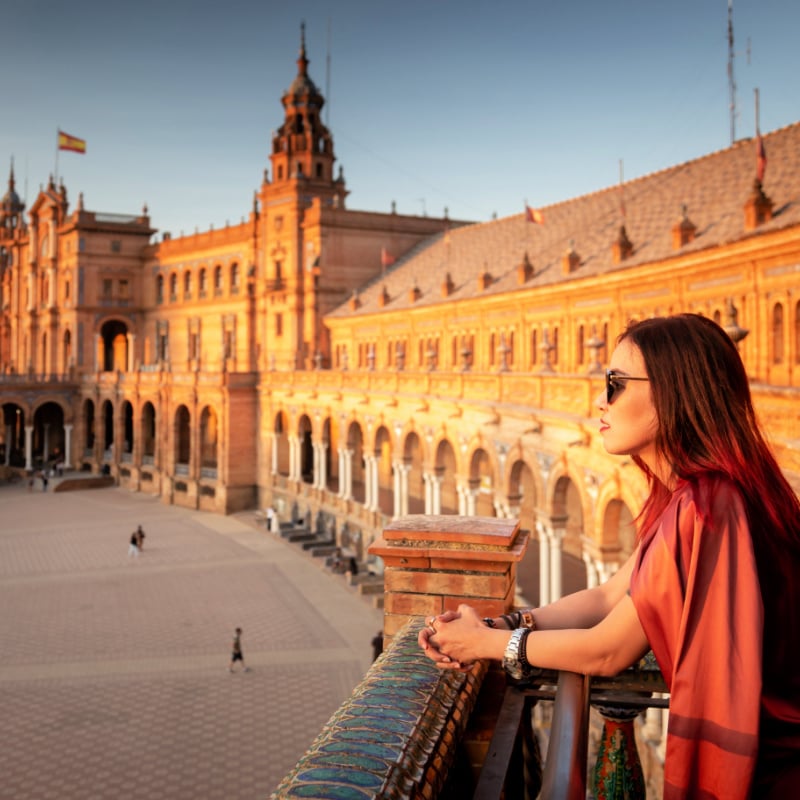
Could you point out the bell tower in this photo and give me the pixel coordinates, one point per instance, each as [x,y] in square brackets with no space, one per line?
[293,211]
[302,148]
[11,207]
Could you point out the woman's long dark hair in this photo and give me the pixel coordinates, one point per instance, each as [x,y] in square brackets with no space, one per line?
[707,424]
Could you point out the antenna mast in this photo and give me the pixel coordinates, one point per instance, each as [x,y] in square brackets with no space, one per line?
[328,79]
[731,79]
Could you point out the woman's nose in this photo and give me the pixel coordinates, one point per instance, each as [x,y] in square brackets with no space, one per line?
[601,401]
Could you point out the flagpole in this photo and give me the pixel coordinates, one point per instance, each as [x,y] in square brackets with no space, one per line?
[758,123]
[58,136]
[527,225]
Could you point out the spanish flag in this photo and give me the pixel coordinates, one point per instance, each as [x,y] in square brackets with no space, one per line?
[533,215]
[67,142]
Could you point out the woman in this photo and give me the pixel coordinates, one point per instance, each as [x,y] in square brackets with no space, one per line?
[713,586]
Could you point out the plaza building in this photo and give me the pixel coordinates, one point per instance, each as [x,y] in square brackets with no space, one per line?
[353,366]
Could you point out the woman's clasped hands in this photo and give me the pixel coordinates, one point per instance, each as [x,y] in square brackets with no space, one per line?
[452,640]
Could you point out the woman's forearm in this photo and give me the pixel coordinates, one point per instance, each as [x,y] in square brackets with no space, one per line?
[585,608]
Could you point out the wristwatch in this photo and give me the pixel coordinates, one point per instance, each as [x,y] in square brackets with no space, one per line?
[512,663]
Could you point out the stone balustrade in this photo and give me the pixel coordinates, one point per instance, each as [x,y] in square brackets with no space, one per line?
[410,730]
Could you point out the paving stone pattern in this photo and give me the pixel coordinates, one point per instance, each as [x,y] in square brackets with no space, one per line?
[114,677]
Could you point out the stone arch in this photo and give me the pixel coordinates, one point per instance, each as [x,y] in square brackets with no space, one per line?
[532,496]
[13,433]
[113,355]
[89,431]
[127,430]
[383,454]
[522,500]
[330,438]
[618,531]
[182,439]
[567,513]
[482,481]
[355,443]
[148,432]
[107,421]
[446,469]
[209,440]
[413,459]
[304,430]
[48,432]
[281,443]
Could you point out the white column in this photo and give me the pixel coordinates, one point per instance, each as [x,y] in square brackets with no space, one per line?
[347,491]
[369,460]
[426,480]
[376,488]
[472,501]
[319,465]
[605,570]
[314,464]
[396,467]
[292,452]
[273,454]
[296,445]
[591,570]
[461,490]
[29,447]
[544,564]
[404,470]
[501,510]
[68,447]
[651,730]
[662,747]
[342,472]
[436,493]
[9,434]
[555,563]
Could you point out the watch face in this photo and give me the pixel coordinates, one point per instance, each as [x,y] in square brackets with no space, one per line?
[511,660]
[513,669]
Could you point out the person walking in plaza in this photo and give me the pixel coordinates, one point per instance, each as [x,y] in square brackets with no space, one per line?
[139,533]
[133,546]
[713,584]
[236,652]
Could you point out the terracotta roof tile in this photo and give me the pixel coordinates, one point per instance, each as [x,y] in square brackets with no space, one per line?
[713,188]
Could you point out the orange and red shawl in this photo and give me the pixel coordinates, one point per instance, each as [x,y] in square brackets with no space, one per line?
[696,591]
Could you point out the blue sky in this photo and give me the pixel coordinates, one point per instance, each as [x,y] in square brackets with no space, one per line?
[473,106]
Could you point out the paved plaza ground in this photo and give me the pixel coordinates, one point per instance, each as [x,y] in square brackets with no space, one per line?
[114,677]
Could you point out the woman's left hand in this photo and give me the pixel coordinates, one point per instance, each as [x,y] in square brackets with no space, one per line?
[452,640]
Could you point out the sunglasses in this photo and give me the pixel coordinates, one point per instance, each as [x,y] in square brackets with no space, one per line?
[615,384]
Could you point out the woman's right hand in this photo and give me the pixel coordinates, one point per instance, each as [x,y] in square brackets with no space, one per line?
[431,650]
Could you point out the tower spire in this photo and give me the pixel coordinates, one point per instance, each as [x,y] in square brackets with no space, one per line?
[302,61]
[731,79]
